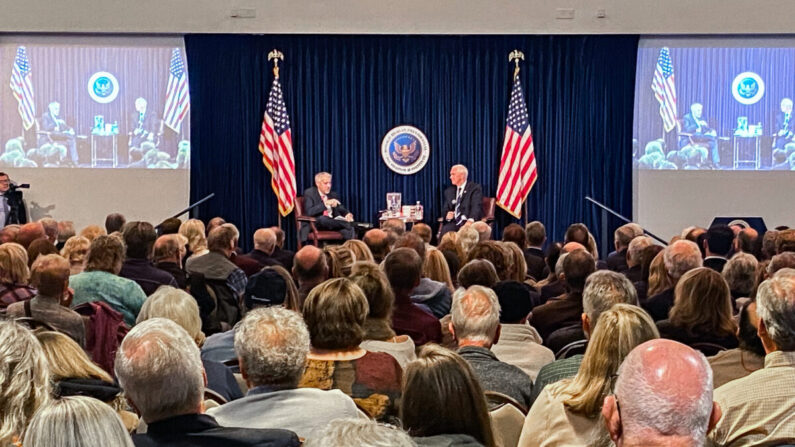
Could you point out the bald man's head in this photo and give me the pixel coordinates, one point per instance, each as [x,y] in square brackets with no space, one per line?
[310,265]
[377,241]
[664,391]
[572,246]
[265,240]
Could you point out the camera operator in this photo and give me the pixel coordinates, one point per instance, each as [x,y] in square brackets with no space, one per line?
[12,208]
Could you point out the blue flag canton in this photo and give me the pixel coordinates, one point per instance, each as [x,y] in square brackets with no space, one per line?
[518,119]
[665,63]
[277,110]
[177,67]
[22,61]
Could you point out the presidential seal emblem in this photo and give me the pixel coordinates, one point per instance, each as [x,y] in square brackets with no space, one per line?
[405,149]
[748,88]
[103,87]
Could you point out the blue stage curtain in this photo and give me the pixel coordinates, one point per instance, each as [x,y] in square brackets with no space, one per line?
[344,93]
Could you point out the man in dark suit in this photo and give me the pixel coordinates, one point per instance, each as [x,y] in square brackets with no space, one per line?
[264,244]
[58,130]
[534,255]
[160,369]
[143,124]
[617,260]
[324,205]
[783,132]
[284,256]
[717,245]
[463,201]
[697,126]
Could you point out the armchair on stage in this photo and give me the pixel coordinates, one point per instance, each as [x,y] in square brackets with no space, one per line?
[314,235]
[489,204]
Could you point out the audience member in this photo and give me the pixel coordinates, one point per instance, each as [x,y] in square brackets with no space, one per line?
[634,270]
[215,265]
[436,269]
[425,233]
[40,247]
[566,309]
[339,259]
[29,232]
[432,295]
[66,230]
[483,229]
[75,250]
[443,403]
[785,241]
[335,312]
[566,412]
[50,226]
[475,324]
[92,232]
[360,432]
[181,308]
[139,238]
[310,269]
[757,409]
[377,241]
[645,259]
[167,255]
[14,275]
[264,245]
[552,286]
[493,252]
[622,237]
[9,233]
[378,333]
[748,241]
[519,343]
[468,237]
[149,359]
[780,261]
[536,235]
[701,316]
[193,230]
[748,357]
[214,223]
[272,345]
[72,373]
[478,272]
[740,275]
[717,246]
[50,277]
[403,268]
[24,381]
[679,258]
[77,421]
[395,226]
[517,266]
[768,245]
[114,222]
[246,264]
[662,397]
[100,280]
[285,257]
[359,249]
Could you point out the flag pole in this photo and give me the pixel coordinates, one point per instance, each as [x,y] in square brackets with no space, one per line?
[274,56]
[516,56]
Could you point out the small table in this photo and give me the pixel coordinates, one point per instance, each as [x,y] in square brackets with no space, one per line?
[101,139]
[407,220]
[744,140]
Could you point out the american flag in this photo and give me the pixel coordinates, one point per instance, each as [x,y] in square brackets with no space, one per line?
[177,95]
[664,89]
[518,170]
[276,146]
[22,88]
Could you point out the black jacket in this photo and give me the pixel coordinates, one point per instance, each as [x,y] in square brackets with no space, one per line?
[201,430]
[471,200]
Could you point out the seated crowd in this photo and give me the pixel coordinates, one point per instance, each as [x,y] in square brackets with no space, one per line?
[169,335]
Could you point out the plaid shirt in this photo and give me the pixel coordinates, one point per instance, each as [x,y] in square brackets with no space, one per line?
[237,281]
[555,371]
[14,293]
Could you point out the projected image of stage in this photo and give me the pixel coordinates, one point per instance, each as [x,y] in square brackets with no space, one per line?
[78,104]
[714,105]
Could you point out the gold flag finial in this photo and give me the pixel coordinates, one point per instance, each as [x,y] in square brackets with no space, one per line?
[275,55]
[515,56]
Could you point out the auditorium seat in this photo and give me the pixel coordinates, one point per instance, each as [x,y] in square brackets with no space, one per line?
[315,236]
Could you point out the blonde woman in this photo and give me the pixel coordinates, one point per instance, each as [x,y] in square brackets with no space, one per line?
[658,275]
[193,230]
[91,232]
[77,422]
[436,268]
[468,237]
[73,373]
[360,250]
[180,307]
[568,412]
[14,275]
[340,259]
[75,250]
[517,266]
[24,381]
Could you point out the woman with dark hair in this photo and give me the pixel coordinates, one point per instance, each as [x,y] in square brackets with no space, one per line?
[735,363]
[443,403]
[335,313]
[702,313]
[647,255]
[551,282]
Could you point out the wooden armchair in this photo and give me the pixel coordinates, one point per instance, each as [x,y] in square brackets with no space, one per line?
[314,236]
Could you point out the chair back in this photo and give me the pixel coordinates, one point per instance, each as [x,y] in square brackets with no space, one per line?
[299,207]
[488,204]
[571,349]
[496,400]
[507,422]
